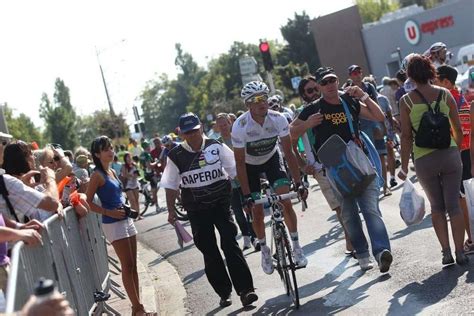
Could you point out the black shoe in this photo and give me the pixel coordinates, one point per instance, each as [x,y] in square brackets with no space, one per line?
[225,301]
[248,298]
[447,257]
[256,245]
[461,258]
[398,163]
[385,260]
[393,183]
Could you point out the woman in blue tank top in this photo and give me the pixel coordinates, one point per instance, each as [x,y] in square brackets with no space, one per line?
[118,228]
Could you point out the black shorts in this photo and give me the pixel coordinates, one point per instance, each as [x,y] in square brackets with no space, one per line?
[466,167]
[150,177]
[274,170]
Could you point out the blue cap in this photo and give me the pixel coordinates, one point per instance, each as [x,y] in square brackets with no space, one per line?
[188,122]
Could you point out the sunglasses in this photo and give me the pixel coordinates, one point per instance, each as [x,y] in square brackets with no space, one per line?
[258,99]
[357,71]
[327,81]
[311,90]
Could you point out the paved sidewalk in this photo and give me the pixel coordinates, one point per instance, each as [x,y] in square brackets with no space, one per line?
[161,288]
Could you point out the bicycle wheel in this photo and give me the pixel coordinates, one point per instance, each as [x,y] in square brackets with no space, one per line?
[290,274]
[280,257]
[147,201]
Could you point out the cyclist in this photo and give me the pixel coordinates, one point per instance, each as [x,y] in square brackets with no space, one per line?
[437,53]
[255,137]
[202,168]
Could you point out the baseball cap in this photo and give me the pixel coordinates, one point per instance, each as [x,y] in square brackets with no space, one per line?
[352,68]
[145,144]
[189,122]
[447,72]
[323,73]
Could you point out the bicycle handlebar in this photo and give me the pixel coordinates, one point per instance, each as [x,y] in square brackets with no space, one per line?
[274,198]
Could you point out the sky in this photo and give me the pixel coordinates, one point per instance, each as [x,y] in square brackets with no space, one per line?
[135,42]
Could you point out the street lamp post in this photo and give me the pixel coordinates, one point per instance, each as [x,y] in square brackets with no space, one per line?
[111,108]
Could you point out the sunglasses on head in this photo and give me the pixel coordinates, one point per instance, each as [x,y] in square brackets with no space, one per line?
[311,90]
[327,81]
[258,98]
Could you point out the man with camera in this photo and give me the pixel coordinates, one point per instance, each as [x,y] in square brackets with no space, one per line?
[202,168]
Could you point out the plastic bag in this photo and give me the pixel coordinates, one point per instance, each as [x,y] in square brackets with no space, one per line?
[412,205]
[469,192]
[182,234]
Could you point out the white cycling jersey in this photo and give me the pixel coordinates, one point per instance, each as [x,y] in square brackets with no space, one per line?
[260,142]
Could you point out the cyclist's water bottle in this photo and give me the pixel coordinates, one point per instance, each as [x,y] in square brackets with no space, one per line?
[44,290]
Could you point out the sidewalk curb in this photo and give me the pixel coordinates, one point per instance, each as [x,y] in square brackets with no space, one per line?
[160,282]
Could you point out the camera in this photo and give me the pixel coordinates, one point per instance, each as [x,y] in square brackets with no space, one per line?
[129,212]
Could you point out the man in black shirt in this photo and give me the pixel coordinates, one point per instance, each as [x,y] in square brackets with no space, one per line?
[326,116]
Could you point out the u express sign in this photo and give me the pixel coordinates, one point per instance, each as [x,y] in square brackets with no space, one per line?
[413,32]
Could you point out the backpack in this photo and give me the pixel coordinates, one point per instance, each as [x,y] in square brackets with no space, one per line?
[434,130]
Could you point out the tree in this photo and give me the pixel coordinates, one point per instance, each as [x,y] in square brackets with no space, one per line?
[100,123]
[22,127]
[372,10]
[301,47]
[59,117]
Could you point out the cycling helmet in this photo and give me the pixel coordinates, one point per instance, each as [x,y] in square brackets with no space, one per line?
[275,101]
[253,88]
[437,47]
[406,60]
[166,140]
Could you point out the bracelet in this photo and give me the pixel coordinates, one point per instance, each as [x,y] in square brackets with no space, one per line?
[364,97]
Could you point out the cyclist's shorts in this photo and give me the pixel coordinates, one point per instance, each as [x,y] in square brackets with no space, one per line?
[274,170]
[150,177]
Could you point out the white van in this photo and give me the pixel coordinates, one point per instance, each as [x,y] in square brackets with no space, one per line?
[465,58]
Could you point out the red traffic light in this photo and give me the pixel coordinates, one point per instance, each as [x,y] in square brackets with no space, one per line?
[264,47]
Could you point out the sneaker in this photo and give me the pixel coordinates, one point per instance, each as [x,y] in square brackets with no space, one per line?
[247,243]
[300,259]
[225,301]
[248,298]
[447,257]
[461,258]
[365,263]
[393,183]
[385,260]
[468,247]
[256,244]
[267,262]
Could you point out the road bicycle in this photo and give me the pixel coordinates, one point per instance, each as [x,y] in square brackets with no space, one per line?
[285,263]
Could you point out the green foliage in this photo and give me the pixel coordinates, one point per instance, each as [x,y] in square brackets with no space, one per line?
[59,117]
[101,123]
[301,47]
[22,127]
[372,10]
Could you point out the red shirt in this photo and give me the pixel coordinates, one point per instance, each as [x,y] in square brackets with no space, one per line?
[464,116]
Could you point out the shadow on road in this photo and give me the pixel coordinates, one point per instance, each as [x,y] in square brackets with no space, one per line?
[332,236]
[426,223]
[427,293]
[193,276]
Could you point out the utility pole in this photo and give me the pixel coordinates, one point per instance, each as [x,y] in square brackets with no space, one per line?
[111,108]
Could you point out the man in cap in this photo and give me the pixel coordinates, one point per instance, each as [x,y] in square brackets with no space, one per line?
[326,117]
[202,169]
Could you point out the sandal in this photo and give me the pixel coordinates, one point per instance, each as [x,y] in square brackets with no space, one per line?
[140,311]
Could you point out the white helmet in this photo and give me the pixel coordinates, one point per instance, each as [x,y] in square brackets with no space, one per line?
[406,60]
[274,101]
[166,140]
[253,88]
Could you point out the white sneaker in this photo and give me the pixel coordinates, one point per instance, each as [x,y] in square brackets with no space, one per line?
[267,261]
[247,243]
[300,258]
[365,263]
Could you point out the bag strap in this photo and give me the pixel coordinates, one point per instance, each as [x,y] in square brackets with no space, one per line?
[349,117]
[422,97]
[4,193]
[437,105]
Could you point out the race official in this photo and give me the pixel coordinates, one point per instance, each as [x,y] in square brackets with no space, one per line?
[202,168]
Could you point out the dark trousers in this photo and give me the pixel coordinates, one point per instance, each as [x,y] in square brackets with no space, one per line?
[242,218]
[202,225]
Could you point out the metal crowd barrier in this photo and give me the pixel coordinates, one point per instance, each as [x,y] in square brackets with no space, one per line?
[74,255]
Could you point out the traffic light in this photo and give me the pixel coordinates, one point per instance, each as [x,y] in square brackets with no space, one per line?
[266,56]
